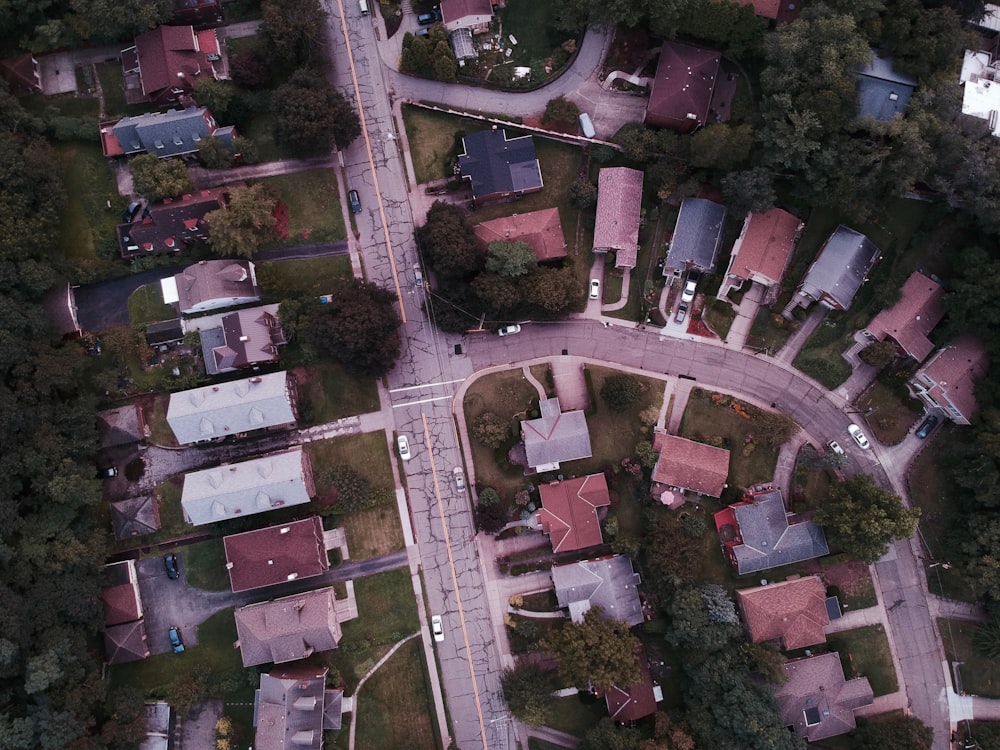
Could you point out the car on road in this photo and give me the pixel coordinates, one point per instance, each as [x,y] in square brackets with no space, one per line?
[509,330]
[418,275]
[176,643]
[459,478]
[108,473]
[681,314]
[355,201]
[927,426]
[437,627]
[835,447]
[859,437]
[595,288]
[404,447]
[170,563]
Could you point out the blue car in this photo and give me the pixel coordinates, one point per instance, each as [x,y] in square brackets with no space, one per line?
[170,563]
[927,426]
[175,640]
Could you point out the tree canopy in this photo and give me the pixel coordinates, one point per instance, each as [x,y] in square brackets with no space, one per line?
[359,328]
[157,178]
[600,651]
[245,222]
[527,690]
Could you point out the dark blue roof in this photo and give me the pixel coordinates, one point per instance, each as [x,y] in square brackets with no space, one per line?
[495,164]
[882,92]
[171,133]
[697,236]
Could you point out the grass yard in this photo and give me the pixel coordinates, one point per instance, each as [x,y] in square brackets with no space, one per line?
[719,316]
[306,277]
[531,23]
[110,75]
[895,412]
[769,331]
[328,392]
[536,744]
[980,676]
[171,514]
[88,238]
[613,435]
[204,565]
[821,358]
[146,305]
[313,200]
[394,707]
[864,652]
[68,105]
[434,141]
[366,453]
[372,532]
[261,132]
[575,716]
[156,420]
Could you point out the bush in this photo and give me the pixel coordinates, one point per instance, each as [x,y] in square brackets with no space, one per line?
[621,391]
[353,488]
[490,429]
[878,354]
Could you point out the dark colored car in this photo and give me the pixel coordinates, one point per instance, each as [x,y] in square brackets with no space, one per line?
[927,426]
[426,19]
[170,563]
[174,634]
[108,473]
[355,201]
[681,314]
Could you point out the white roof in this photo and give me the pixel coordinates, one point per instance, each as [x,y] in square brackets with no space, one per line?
[991,18]
[169,287]
[981,98]
[230,408]
[242,489]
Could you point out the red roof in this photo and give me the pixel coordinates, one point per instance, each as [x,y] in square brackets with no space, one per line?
[691,466]
[569,511]
[765,8]
[619,203]
[681,95]
[793,611]
[910,321]
[953,372]
[540,229]
[276,554]
[635,702]
[764,246]
[121,604]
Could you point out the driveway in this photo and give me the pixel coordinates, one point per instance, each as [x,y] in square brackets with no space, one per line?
[105,304]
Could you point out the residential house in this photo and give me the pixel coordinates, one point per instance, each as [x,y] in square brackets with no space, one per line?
[135,516]
[22,74]
[124,629]
[883,93]
[212,285]
[499,168]
[606,582]
[541,230]
[839,270]
[757,533]
[164,64]
[569,513]
[277,480]
[619,208]
[909,322]
[292,708]
[289,628]
[170,226]
[176,132]
[276,554]
[683,88]
[119,426]
[555,437]
[246,338]
[629,704]
[763,251]
[817,701]
[990,20]
[687,466]
[157,726]
[164,332]
[793,612]
[697,237]
[197,13]
[980,78]
[475,15]
[947,380]
[232,408]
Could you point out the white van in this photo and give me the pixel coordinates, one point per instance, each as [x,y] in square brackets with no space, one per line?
[586,125]
[364,7]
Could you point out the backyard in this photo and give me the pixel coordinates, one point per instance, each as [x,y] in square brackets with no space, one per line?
[303,277]
[864,652]
[146,305]
[204,565]
[980,676]
[328,392]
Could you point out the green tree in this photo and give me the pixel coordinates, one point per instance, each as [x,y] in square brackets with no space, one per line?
[305,113]
[865,518]
[554,291]
[510,259]
[667,735]
[214,154]
[527,689]
[490,429]
[597,650]
[582,194]
[216,95]
[701,618]
[104,21]
[354,490]
[157,178]
[607,735]
[560,111]
[490,512]
[245,223]
[646,454]
[750,190]
[621,391]
[500,295]
[293,32]
[448,241]
[721,146]
[892,730]
[878,353]
[346,123]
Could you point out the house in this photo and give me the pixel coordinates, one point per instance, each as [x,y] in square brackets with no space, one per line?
[555,437]
[164,63]
[164,332]
[634,702]
[757,533]
[947,380]
[498,168]
[475,15]
[909,322]
[763,251]
[119,426]
[817,701]
[839,270]
[157,726]
[292,708]
[170,226]
[569,511]
[619,209]
[289,628]
[176,132]
[136,516]
[541,230]
[683,88]
[981,89]
[794,612]
[211,285]
[697,237]
[197,13]
[124,629]
[246,338]
[238,406]
[883,93]
[688,466]
[277,480]
[990,20]
[276,554]
[606,582]
[22,74]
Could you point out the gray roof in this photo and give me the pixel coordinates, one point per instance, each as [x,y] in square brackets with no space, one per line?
[882,92]
[290,708]
[289,628]
[697,236]
[230,408]
[840,268]
[768,539]
[555,437]
[171,133]
[119,426]
[136,516]
[495,164]
[256,486]
[211,284]
[607,582]
[817,701]
[126,642]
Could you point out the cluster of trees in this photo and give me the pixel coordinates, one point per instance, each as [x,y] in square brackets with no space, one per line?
[429,56]
[503,283]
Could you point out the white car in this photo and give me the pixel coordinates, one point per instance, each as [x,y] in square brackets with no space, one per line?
[835,447]
[859,437]
[689,288]
[595,288]
[509,330]
[404,447]
[459,478]
[437,628]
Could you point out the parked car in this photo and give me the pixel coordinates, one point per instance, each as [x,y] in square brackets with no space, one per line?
[681,314]
[927,426]
[509,330]
[426,19]
[418,275]
[459,478]
[404,447]
[835,447]
[690,286]
[859,437]
[437,628]
[422,32]
[108,473]
[176,643]
[355,201]
[170,563]
[595,288]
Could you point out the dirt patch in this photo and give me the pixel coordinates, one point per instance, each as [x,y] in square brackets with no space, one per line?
[851,577]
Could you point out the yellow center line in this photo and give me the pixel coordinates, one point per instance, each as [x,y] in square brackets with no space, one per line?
[454,577]
[371,161]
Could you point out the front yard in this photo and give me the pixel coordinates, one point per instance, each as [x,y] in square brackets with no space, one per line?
[146,305]
[980,676]
[314,211]
[864,652]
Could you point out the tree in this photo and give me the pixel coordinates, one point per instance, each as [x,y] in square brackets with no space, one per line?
[620,391]
[560,111]
[490,429]
[157,178]
[105,22]
[599,651]
[554,291]
[987,640]
[346,124]
[750,190]
[448,241]
[582,194]
[214,154]
[359,328]
[866,518]
[353,488]
[500,295]
[667,735]
[527,689]
[216,95]
[892,730]
[607,735]
[293,32]
[878,353]
[490,512]
[305,113]
[721,146]
[245,223]
[701,619]
[510,259]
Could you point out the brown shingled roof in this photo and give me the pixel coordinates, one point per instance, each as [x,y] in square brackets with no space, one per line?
[619,203]
[954,371]
[765,245]
[569,511]
[539,229]
[636,701]
[793,612]
[689,465]
[817,701]
[910,321]
[121,604]
[681,94]
[276,554]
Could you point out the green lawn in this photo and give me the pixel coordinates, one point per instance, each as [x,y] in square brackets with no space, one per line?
[110,75]
[205,565]
[68,105]
[574,716]
[719,316]
[980,676]
[366,453]
[895,412]
[864,652]
[261,132]
[531,23]
[372,532]
[434,141]
[146,305]
[769,331]
[88,238]
[307,277]
[156,420]
[313,200]
[613,435]
[330,392]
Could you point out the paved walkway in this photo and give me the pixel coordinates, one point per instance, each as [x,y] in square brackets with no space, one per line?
[203,178]
[798,339]
[363,680]
[862,375]
[570,383]
[746,313]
